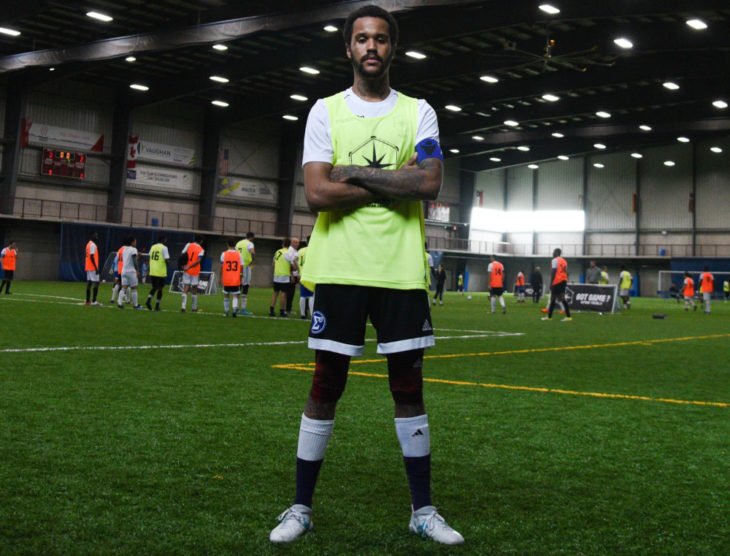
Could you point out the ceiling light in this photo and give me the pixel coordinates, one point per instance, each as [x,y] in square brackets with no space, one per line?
[563,157]
[290,117]
[671,85]
[220,47]
[453,107]
[331,28]
[719,103]
[221,103]
[669,163]
[130,59]
[455,151]
[637,155]
[489,78]
[415,54]
[219,79]
[139,87]
[11,32]
[300,98]
[51,69]
[477,138]
[623,42]
[683,139]
[533,166]
[495,159]
[716,149]
[310,71]
[599,146]
[549,9]
[523,148]
[603,114]
[645,127]
[99,16]
[550,97]
[511,123]
[697,24]
[598,165]
[558,135]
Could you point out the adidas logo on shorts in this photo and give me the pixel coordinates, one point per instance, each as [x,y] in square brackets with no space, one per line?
[426,326]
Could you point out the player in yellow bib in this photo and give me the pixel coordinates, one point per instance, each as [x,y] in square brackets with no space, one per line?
[159,256]
[371,157]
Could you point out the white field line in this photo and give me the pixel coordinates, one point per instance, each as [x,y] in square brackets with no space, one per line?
[197,346]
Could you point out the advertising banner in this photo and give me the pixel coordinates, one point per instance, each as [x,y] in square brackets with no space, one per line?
[33,133]
[591,297]
[239,188]
[164,178]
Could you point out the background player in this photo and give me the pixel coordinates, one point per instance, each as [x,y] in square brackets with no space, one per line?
[306,296]
[496,283]
[130,273]
[688,291]
[231,266]
[624,285]
[8,257]
[91,265]
[159,257]
[246,248]
[191,272]
[558,282]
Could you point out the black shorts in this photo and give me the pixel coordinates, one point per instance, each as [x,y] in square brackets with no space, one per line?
[402,319]
[496,292]
[232,289]
[9,274]
[281,287]
[558,289]
[244,289]
[158,282]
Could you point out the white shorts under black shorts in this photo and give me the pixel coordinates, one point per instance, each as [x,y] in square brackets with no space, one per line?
[189,279]
[232,289]
[402,319]
[92,276]
[129,279]
[623,293]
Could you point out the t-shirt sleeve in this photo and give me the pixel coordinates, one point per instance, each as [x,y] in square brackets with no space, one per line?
[202,252]
[554,264]
[317,138]
[250,247]
[223,256]
[185,249]
[165,252]
[428,126]
[489,268]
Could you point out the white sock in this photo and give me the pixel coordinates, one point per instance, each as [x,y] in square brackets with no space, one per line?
[195,301]
[303,306]
[235,303]
[313,438]
[225,304]
[134,298]
[244,302]
[413,435]
[184,300]
[493,303]
[310,300]
[501,301]
[115,291]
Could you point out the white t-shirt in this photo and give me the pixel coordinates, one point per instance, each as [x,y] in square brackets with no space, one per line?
[185,250]
[165,253]
[127,261]
[317,136]
[292,255]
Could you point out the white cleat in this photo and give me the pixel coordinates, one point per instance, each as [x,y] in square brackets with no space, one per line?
[295,522]
[428,523]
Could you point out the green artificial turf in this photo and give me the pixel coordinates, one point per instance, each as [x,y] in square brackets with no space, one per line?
[608,434]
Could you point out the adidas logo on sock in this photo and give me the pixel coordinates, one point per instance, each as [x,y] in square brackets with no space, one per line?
[419,432]
[426,326]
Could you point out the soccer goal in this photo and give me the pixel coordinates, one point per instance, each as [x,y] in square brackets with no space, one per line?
[108,268]
[207,284]
[670,283]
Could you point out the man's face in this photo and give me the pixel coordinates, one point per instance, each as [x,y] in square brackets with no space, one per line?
[370,50]
[295,243]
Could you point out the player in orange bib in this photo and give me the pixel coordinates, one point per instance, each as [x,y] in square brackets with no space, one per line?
[8,256]
[708,286]
[191,272]
[91,266]
[496,283]
[231,265]
[520,286]
[688,291]
[559,273]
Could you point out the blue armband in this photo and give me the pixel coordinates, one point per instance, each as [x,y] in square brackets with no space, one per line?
[428,148]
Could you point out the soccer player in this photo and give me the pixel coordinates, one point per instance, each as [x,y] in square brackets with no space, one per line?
[440,276]
[91,265]
[460,284]
[246,248]
[496,283]
[362,176]
[293,253]
[159,257]
[726,289]
[191,272]
[624,285]
[558,282]
[284,264]
[130,273]
[536,283]
[688,291]
[231,265]
[8,257]
[520,286]
[708,286]
[306,296]
[604,276]
[117,266]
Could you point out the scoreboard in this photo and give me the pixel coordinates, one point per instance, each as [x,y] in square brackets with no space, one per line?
[67,164]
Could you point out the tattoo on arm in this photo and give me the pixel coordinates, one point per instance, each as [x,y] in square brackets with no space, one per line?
[420,182]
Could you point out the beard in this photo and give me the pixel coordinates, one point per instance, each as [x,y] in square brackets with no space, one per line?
[359,66]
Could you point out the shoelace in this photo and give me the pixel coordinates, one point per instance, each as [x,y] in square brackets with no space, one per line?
[429,521]
[292,514]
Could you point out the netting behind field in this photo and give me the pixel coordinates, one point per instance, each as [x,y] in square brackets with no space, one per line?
[670,283]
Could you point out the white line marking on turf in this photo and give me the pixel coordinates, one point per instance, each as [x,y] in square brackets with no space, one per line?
[195,346]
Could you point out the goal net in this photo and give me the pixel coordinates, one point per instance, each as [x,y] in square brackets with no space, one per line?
[671,283]
[207,284]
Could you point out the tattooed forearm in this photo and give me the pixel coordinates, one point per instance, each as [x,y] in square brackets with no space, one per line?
[420,182]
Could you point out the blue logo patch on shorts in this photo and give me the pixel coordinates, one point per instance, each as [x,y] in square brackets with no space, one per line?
[318,322]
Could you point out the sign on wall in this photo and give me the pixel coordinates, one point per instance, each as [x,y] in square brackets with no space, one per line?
[238,188]
[168,154]
[165,178]
[33,133]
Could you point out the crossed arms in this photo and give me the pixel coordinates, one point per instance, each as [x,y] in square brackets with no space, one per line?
[336,187]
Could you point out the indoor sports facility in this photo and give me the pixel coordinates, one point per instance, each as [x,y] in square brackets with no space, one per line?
[600,129]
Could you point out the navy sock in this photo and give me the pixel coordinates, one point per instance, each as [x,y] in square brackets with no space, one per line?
[307,473]
[418,471]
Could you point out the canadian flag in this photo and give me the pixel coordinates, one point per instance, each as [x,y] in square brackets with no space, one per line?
[132,156]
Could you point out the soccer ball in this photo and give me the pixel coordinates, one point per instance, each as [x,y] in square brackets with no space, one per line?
[468,297]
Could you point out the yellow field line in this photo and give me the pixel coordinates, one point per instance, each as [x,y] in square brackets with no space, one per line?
[310,367]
